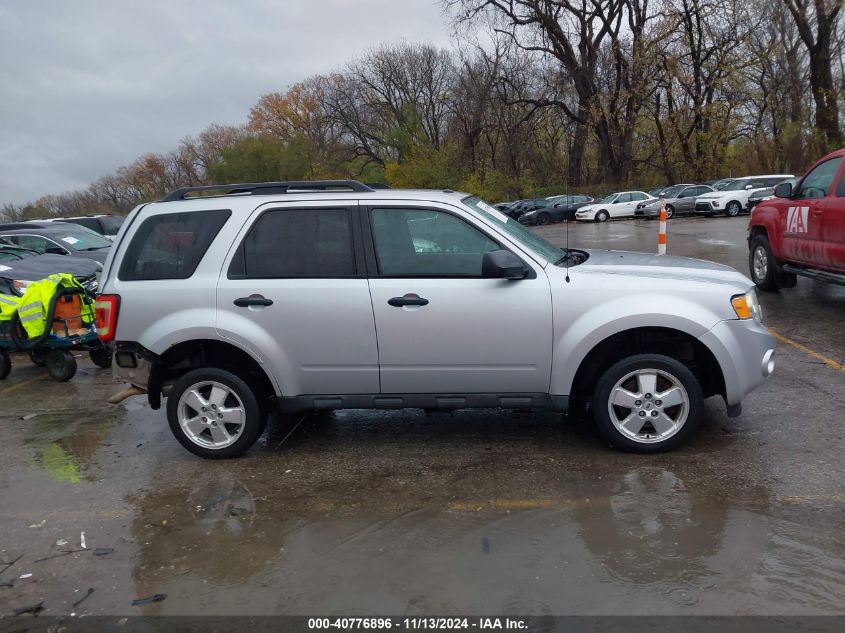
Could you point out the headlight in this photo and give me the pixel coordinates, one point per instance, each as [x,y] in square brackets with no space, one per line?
[715,203]
[19,286]
[747,306]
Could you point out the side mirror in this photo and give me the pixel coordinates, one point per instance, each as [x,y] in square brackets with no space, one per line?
[747,187]
[783,190]
[502,265]
[56,250]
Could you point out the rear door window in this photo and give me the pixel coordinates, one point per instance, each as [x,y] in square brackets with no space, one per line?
[88,223]
[297,243]
[171,246]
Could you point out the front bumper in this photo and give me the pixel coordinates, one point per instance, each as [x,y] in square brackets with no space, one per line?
[706,208]
[647,212]
[745,350]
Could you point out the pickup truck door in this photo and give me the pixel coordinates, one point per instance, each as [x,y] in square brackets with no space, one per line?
[834,227]
[293,290]
[441,327]
[803,216]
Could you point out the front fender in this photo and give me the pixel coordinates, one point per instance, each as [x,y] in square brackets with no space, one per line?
[606,319]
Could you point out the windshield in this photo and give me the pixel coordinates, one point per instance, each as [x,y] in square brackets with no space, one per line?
[609,198]
[722,186]
[736,185]
[81,239]
[515,230]
[671,192]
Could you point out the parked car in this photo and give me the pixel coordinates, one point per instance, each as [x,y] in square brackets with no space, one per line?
[16,275]
[622,204]
[679,200]
[656,193]
[559,208]
[106,225]
[10,253]
[801,230]
[766,194]
[59,239]
[524,206]
[279,297]
[732,199]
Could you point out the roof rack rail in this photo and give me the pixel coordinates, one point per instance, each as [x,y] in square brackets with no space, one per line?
[265,188]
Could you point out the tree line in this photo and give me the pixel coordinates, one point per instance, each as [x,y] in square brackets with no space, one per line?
[535,97]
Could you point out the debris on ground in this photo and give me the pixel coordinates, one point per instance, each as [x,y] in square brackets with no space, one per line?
[83,598]
[23,576]
[103,551]
[28,417]
[61,542]
[35,609]
[158,597]
[82,540]
[60,554]
[38,525]
[9,564]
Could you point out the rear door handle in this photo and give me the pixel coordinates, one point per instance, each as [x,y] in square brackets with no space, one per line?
[253,300]
[409,299]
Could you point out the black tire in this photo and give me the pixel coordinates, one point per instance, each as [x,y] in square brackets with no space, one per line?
[254,422]
[669,366]
[544,219]
[670,211]
[766,273]
[733,209]
[602,216]
[38,356]
[101,356]
[61,365]
[5,364]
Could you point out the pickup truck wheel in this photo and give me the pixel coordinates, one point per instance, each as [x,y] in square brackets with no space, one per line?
[647,403]
[733,209]
[602,216]
[214,413]
[761,263]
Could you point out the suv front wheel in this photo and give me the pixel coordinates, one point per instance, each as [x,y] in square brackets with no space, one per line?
[647,403]
[214,413]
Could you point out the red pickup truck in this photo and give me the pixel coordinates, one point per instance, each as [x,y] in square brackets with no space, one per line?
[801,231]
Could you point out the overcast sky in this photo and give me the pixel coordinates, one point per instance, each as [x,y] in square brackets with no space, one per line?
[87,86]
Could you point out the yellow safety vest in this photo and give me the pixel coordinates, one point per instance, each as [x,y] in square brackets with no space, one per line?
[8,305]
[35,303]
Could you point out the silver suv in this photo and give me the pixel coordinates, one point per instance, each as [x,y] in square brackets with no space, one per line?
[237,301]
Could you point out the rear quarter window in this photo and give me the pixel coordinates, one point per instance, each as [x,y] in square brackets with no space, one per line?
[171,246]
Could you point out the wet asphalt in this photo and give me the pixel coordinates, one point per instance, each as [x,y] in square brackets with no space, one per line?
[468,513]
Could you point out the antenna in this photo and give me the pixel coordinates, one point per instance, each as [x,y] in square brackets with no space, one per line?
[568,205]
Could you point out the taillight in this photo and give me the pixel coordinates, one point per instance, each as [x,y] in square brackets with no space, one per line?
[105,313]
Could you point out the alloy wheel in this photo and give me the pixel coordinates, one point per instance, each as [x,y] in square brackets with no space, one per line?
[648,405]
[211,414]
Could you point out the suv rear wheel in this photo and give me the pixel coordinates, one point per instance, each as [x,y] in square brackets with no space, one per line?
[647,403]
[214,413]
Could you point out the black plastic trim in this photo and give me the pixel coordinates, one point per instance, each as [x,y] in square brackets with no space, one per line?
[819,275]
[439,401]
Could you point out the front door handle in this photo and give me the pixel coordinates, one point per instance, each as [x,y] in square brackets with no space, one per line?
[409,299]
[253,300]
